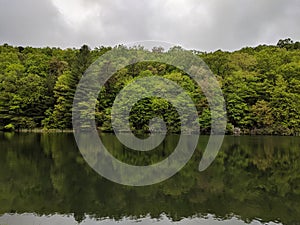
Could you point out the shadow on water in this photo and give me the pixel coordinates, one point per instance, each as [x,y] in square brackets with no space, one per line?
[252,179]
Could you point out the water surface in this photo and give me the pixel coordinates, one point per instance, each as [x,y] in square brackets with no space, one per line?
[254,180]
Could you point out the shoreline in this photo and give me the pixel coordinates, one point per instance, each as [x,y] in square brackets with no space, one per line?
[45,131]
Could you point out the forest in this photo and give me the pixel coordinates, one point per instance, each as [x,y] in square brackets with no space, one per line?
[261,87]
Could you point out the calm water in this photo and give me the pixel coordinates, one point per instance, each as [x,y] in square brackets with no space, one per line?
[44,180]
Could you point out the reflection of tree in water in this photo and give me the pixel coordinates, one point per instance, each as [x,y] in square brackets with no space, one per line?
[252,177]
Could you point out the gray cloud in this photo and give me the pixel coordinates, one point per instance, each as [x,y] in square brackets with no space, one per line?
[204,25]
[30,22]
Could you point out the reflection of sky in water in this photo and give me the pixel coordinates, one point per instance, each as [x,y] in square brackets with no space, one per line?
[30,219]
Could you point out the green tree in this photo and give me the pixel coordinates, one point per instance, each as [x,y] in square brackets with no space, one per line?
[60,117]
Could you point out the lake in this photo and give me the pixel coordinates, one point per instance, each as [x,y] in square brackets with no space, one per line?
[45,180]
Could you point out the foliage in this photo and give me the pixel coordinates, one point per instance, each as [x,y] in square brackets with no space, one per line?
[261,86]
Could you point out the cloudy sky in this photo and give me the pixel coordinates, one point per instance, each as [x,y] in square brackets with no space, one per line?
[195,24]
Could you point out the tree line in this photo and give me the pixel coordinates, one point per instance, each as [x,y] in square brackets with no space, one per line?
[261,87]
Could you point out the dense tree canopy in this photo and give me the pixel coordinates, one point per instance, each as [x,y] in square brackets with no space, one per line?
[261,86]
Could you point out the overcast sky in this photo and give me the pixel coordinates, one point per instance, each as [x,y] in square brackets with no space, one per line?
[194,24]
